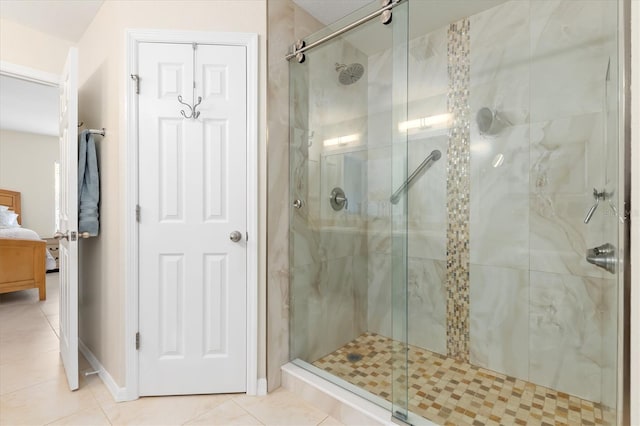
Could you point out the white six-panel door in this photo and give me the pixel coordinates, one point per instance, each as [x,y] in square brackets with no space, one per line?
[192,196]
[68,218]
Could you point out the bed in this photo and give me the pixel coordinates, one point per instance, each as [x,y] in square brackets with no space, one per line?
[23,255]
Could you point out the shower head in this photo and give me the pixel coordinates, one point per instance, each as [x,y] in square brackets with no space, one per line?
[349,74]
[491,122]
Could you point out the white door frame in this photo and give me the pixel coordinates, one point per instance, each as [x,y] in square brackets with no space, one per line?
[29,74]
[130,152]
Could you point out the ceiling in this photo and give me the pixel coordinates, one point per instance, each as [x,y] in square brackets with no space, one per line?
[329,11]
[66,19]
[31,107]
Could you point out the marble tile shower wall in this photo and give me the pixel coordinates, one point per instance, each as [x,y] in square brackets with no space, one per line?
[538,311]
[573,305]
[427,215]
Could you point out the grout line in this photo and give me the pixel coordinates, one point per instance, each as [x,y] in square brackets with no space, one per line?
[249,413]
[32,384]
[73,414]
[207,411]
[322,421]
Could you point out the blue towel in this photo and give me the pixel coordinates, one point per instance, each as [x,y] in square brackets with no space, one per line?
[88,185]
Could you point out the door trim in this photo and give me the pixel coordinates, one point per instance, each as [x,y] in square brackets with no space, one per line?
[29,74]
[130,153]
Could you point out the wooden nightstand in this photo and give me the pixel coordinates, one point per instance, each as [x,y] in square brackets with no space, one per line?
[52,246]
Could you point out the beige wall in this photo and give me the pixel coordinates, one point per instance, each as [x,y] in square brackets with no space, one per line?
[30,48]
[27,165]
[102,104]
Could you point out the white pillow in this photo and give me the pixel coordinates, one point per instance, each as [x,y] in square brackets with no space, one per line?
[4,208]
[9,219]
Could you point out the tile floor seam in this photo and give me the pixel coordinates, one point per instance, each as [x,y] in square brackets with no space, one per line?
[322,421]
[246,410]
[4,395]
[232,399]
[58,418]
[205,412]
[93,400]
[2,364]
[32,384]
[70,415]
[104,413]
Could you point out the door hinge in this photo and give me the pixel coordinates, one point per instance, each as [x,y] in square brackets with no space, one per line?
[137,213]
[136,80]
[137,340]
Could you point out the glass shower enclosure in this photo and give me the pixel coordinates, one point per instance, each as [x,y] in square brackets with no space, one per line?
[454,174]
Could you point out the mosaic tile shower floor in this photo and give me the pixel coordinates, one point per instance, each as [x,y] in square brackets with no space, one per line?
[450,392]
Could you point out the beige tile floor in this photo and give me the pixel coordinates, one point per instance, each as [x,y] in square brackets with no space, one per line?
[33,388]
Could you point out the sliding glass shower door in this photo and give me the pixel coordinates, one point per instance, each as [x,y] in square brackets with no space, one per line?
[348,241]
[456,209]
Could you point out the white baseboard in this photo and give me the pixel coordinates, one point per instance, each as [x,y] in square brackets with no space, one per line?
[119,393]
[262,387]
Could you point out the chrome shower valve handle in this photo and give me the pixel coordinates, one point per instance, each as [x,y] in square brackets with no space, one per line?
[338,199]
[596,196]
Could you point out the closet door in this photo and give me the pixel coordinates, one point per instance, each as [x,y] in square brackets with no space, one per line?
[192,194]
[67,233]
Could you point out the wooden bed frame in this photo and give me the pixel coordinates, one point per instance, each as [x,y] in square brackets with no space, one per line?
[22,262]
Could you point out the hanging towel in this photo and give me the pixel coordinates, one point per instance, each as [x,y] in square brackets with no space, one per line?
[88,185]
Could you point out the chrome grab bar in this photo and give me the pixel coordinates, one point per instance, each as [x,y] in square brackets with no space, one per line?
[431,158]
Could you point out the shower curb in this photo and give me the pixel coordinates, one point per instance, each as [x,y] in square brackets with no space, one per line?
[341,404]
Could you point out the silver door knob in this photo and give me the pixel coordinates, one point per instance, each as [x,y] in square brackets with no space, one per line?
[297,204]
[61,236]
[235,236]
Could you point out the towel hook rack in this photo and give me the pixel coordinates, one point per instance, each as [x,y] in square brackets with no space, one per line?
[192,109]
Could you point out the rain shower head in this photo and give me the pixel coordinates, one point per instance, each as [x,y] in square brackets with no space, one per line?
[349,74]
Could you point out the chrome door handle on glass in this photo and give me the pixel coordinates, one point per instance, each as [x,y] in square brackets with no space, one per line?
[235,236]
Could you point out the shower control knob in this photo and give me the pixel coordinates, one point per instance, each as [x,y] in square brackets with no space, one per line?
[235,236]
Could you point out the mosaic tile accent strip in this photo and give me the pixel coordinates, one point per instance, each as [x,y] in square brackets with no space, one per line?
[452,392]
[458,188]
